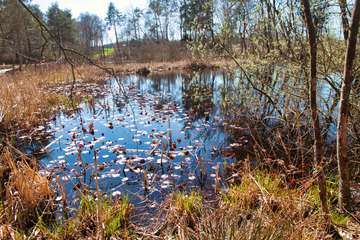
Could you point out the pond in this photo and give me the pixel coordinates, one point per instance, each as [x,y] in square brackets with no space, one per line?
[164,134]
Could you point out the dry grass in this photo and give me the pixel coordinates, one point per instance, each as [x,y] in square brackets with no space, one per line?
[23,103]
[28,209]
[62,73]
[7,66]
[261,207]
[7,232]
[26,194]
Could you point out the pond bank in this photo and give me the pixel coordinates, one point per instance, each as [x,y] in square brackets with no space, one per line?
[261,204]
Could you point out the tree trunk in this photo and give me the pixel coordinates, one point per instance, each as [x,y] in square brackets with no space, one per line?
[29,46]
[314,113]
[344,19]
[19,51]
[117,41]
[343,161]
[103,49]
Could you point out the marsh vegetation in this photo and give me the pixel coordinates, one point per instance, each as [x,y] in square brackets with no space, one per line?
[244,129]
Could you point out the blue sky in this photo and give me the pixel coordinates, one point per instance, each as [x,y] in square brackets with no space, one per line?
[91,6]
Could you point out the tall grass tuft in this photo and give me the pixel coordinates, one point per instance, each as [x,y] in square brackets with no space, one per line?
[26,194]
[84,223]
[23,104]
[260,207]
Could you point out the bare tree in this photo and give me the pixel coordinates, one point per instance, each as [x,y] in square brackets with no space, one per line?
[342,142]
[113,19]
[344,19]
[134,16]
[314,111]
[90,28]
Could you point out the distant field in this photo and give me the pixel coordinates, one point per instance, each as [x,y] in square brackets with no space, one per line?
[107,51]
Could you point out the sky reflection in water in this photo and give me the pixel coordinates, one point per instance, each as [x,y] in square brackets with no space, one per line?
[175,108]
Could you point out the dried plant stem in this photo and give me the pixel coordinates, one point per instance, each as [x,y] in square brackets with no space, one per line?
[170,133]
[217,179]
[145,181]
[63,196]
[100,224]
[162,155]
[285,148]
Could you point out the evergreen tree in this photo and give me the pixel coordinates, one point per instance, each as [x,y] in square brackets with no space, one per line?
[113,19]
[19,35]
[61,25]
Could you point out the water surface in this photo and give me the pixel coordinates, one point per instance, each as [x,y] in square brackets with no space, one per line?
[165,134]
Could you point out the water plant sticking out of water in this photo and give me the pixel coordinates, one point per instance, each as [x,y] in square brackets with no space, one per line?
[147,143]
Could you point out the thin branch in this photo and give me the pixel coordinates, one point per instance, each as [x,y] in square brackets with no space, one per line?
[252,84]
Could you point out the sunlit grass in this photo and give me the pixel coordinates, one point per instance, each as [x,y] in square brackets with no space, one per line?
[262,206]
[23,103]
[84,222]
[107,51]
[28,206]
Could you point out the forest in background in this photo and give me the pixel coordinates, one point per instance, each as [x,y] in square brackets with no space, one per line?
[313,43]
[261,29]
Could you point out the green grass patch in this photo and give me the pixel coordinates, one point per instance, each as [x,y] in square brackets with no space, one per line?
[107,51]
[85,222]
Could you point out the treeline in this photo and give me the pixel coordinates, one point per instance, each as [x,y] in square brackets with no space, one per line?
[265,28]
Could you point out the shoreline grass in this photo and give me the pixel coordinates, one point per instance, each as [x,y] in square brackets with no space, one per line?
[261,205]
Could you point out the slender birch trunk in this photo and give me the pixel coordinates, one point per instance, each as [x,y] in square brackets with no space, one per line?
[342,143]
[314,112]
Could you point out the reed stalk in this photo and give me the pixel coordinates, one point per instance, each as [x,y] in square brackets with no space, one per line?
[217,179]
[100,223]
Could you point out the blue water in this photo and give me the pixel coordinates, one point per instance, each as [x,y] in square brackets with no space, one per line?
[173,113]
[171,108]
